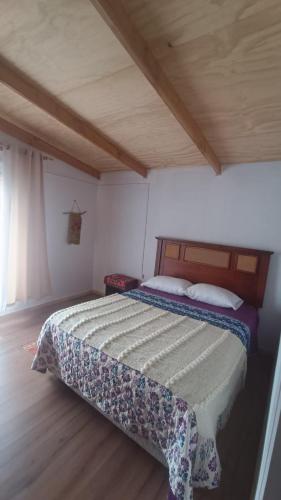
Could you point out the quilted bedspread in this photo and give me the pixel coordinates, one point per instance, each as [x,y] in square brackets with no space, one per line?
[168,377]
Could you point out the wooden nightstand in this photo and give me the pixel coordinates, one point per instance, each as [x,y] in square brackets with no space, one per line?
[119,283]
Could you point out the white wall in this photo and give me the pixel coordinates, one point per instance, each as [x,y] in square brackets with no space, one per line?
[71,266]
[241,207]
[121,218]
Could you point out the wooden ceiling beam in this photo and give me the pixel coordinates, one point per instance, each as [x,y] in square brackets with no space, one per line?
[23,86]
[121,25]
[22,135]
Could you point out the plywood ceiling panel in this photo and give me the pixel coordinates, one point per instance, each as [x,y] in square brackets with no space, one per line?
[223,58]
[125,107]
[62,44]
[72,53]
[30,118]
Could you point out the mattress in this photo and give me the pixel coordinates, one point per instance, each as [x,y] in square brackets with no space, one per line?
[191,363]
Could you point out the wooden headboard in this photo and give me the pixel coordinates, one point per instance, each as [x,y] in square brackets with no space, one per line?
[241,270]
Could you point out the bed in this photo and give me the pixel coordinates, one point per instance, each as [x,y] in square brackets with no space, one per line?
[165,369]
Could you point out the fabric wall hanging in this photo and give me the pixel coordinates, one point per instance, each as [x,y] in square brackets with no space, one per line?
[74,224]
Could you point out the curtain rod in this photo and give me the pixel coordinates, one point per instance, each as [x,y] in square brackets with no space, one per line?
[7,146]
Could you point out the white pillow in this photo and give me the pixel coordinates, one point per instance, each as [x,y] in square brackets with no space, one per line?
[168,284]
[214,295]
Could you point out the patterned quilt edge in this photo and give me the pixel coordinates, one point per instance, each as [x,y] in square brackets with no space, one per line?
[52,346]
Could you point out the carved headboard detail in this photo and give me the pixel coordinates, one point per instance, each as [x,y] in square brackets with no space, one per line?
[241,270]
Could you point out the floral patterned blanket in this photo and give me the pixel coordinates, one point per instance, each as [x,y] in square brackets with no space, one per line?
[134,401]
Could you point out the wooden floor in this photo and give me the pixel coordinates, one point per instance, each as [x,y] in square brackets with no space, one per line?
[54,446]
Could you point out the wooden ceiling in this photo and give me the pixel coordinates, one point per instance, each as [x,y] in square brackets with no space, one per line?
[179,83]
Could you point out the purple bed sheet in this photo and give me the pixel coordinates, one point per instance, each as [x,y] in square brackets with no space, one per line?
[246,313]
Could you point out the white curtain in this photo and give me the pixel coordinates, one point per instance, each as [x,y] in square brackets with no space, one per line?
[24,272]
